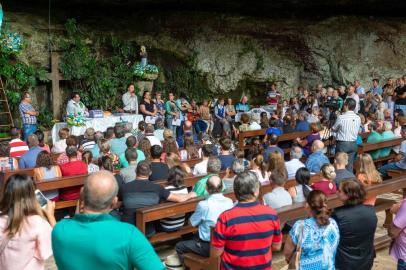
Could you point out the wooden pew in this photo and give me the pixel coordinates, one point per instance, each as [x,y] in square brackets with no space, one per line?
[196,262]
[367,147]
[169,209]
[190,181]
[261,132]
[6,174]
[64,182]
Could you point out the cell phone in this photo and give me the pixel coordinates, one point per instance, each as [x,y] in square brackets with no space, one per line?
[41,198]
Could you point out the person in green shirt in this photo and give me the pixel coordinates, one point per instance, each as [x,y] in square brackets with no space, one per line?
[93,239]
[131,142]
[337,97]
[171,112]
[213,168]
[387,134]
[374,137]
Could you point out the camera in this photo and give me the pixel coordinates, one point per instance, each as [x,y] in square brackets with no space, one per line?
[331,103]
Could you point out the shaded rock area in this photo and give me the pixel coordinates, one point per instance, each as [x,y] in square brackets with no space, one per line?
[234,54]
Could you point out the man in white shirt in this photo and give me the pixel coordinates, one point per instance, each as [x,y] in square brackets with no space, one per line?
[149,134]
[75,106]
[354,96]
[279,197]
[361,94]
[346,128]
[201,167]
[130,100]
[294,163]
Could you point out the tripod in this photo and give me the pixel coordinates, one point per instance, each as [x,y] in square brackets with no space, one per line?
[328,137]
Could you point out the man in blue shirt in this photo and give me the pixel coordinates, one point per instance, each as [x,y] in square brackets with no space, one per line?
[243,105]
[29,159]
[205,216]
[117,144]
[376,89]
[273,147]
[317,158]
[28,116]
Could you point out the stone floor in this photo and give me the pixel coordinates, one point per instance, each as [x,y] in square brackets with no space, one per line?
[382,261]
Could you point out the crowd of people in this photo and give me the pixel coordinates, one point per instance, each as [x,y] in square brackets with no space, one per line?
[123,166]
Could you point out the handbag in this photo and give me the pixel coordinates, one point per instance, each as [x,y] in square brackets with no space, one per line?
[294,261]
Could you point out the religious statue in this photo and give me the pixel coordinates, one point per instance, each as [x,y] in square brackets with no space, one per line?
[144,55]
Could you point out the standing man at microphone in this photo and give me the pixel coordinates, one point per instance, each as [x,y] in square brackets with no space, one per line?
[346,128]
[130,100]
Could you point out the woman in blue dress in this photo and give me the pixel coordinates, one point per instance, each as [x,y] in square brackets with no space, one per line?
[318,235]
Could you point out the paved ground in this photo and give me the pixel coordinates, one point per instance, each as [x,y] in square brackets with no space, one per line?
[382,262]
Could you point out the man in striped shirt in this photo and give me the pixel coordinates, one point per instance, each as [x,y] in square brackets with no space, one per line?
[347,127]
[246,235]
[17,146]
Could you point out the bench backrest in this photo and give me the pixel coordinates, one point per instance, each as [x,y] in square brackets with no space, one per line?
[366,147]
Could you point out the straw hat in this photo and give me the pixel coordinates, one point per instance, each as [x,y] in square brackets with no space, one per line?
[173,262]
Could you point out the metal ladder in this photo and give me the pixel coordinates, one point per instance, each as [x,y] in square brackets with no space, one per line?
[4,110]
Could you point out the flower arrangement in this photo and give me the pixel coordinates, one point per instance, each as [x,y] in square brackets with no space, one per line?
[148,72]
[11,42]
[75,121]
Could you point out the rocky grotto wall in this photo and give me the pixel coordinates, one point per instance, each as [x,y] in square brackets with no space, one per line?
[236,54]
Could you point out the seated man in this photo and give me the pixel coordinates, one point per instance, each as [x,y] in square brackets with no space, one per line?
[75,106]
[73,167]
[213,168]
[76,242]
[128,173]
[273,146]
[340,163]
[374,137]
[237,167]
[243,223]
[205,216]
[387,134]
[159,170]
[225,157]
[317,158]
[117,144]
[400,163]
[294,163]
[17,146]
[131,142]
[279,197]
[141,193]
[201,167]
[29,159]
[149,134]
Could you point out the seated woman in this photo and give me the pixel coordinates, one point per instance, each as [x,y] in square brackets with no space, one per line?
[259,167]
[368,175]
[169,144]
[327,183]
[41,140]
[317,236]
[87,157]
[357,224]
[308,141]
[145,147]
[300,192]
[46,170]
[25,228]
[245,122]
[190,150]
[176,185]
[105,151]
[173,160]
[277,164]
[60,145]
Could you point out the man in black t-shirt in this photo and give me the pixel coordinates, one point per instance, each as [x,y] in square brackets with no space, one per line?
[141,193]
[400,102]
[159,170]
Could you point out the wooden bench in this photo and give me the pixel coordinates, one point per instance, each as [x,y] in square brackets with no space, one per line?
[59,183]
[6,174]
[190,181]
[367,147]
[196,262]
[242,136]
[169,209]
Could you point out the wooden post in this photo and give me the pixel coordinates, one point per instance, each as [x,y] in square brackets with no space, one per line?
[55,77]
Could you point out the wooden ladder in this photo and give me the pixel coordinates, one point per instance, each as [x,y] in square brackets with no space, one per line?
[7,121]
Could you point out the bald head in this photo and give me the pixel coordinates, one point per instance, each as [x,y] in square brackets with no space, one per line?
[214,184]
[99,191]
[188,124]
[317,145]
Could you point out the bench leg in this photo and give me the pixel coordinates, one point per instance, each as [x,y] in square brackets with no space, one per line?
[388,218]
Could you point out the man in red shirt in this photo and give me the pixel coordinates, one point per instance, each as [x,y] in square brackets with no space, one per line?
[246,235]
[17,146]
[73,167]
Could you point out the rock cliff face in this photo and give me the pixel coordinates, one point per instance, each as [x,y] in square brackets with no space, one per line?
[239,54]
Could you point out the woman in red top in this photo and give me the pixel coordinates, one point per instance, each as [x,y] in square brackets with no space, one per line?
[327,183]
